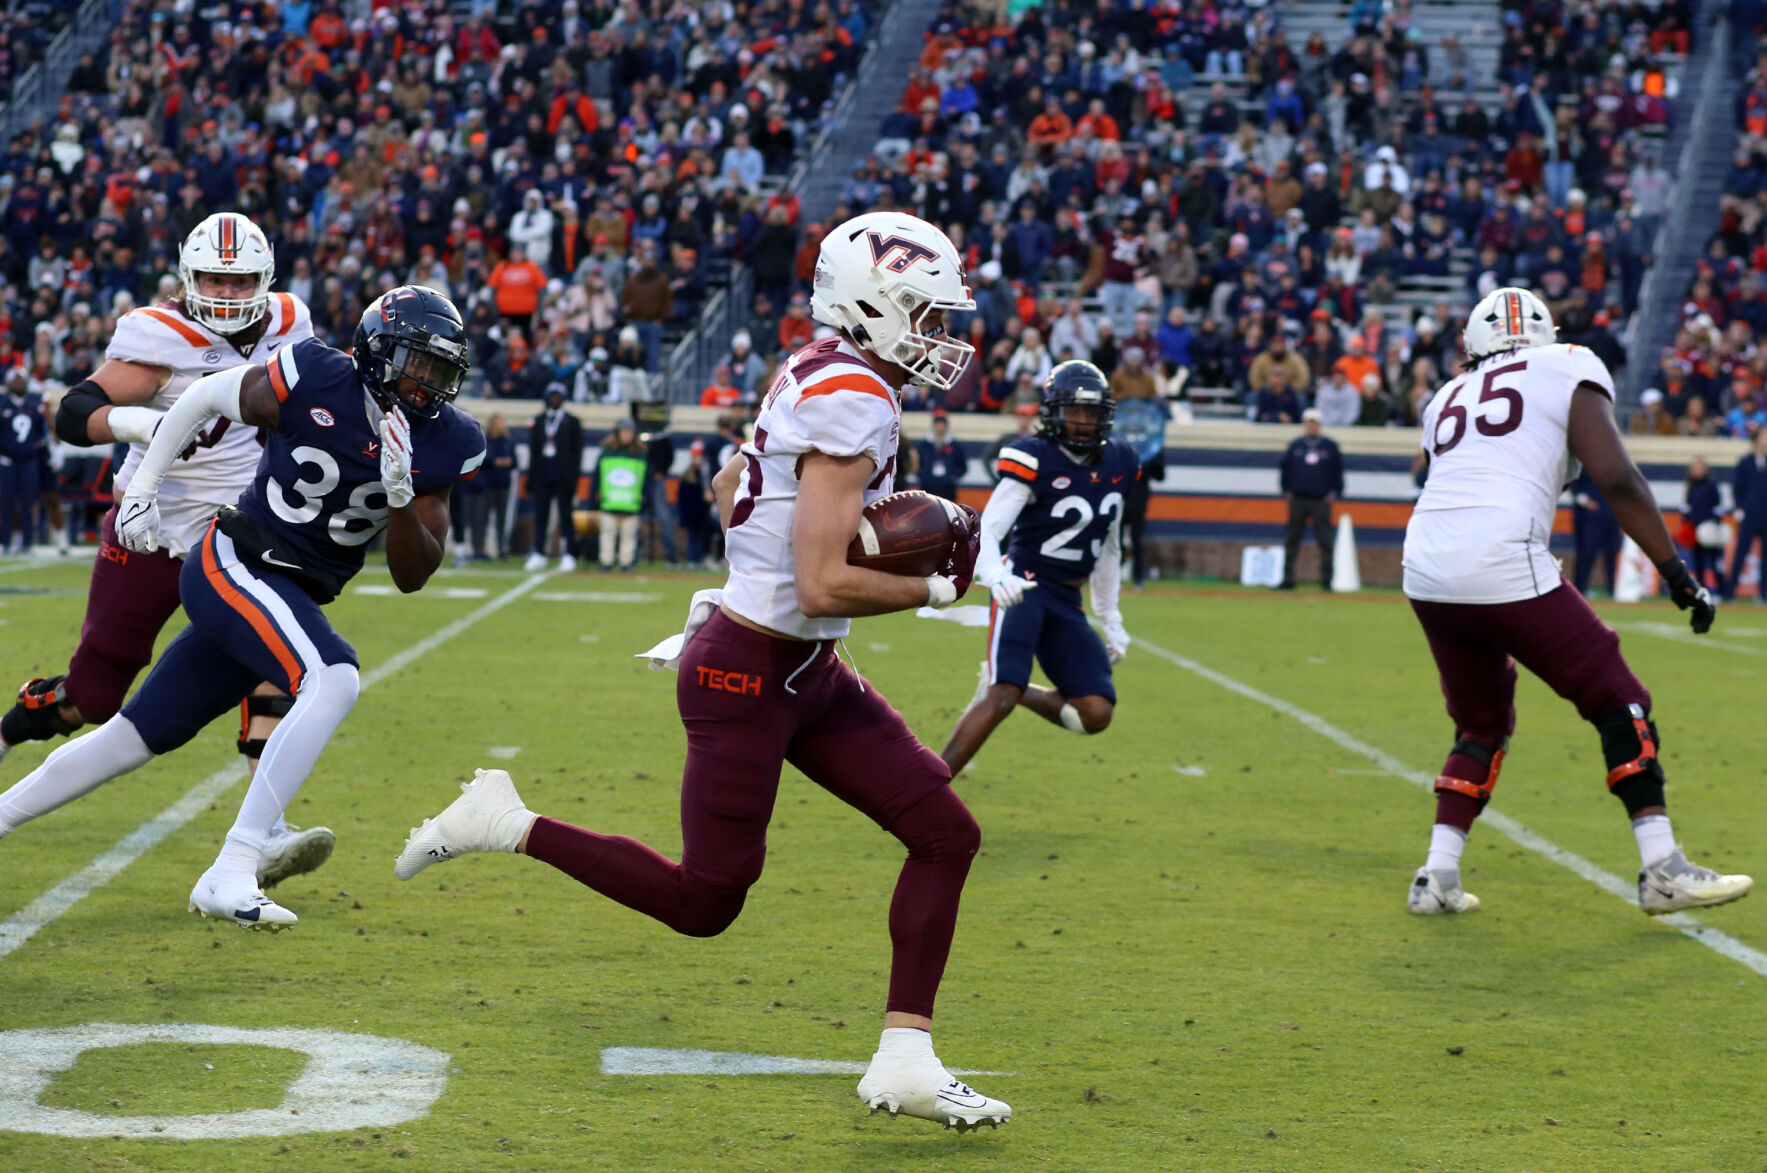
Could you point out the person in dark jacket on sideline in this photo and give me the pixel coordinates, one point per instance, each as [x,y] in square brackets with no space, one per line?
[1750,490]
[1312,474]
[1703,504]
[498,472]
[555,461]
[1597,534]
[942,459]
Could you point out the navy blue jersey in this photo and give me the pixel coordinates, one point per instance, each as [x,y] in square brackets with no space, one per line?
[1073,505]
[318,489]
[22,428]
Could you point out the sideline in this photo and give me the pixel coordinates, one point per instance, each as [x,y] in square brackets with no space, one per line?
[21,926]
[1713,939]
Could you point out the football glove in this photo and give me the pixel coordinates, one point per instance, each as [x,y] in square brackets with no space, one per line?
[395,459]
[138,522]
[1007,588]
[1688,594]
[966,545]
[1116,638]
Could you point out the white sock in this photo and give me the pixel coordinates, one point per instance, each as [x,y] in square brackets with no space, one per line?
[75,770]
[290,754]
[239,854]
[1656,838]
[1070,719]
[1446,844]
[903,1041]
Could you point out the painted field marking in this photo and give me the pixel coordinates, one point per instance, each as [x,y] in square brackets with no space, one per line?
[381,589]
[596,597]
[21,926]
[1190,771]
[75,558]
[503,751]
[351,1081]
[663,1061]
[1711,938]
[1680,634]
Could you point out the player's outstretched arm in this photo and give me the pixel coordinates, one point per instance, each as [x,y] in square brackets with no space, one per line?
[1596,441]
[108,407]
[831,496]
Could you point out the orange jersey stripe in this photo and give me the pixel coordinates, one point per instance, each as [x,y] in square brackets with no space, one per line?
[861,385]
[1014,469]
[285,306]
[188,332]
[250,612]
[278,384]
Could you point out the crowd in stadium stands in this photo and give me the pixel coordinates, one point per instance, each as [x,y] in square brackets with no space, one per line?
[1709,382]
[1244,250]
[574,173]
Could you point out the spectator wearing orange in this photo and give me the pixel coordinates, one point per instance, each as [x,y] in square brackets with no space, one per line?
[516,284]
[1356,365]
[932,54]
[1098,123]
[573,101]
[796,328]
[328,29]
[721,391]
[1051,128]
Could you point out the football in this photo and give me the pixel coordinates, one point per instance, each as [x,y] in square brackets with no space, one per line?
[906,533]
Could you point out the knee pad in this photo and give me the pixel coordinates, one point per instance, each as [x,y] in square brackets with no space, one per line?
[1630,746]
[37,715]
[1479,790]
[259,706]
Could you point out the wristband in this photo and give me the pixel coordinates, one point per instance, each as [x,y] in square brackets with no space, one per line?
[941,592]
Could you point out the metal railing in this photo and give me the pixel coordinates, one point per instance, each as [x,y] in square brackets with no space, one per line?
[1673,233]
[43,82]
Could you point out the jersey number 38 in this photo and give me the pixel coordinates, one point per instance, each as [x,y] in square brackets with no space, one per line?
[352,525]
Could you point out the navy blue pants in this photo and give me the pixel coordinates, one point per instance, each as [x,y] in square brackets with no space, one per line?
[247,624]
[1050,626]
[20,488]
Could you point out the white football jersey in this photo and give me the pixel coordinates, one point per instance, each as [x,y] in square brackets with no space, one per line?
[825,399]
[1500,457]
[227,453]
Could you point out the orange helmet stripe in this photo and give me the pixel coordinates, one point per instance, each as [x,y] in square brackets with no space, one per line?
[1513,303]
[228,246]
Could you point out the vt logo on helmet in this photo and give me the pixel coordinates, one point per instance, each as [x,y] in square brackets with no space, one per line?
[889,280]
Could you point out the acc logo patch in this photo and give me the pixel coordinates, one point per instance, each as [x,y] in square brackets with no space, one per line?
[1060,483]
[322,417]
[211,357]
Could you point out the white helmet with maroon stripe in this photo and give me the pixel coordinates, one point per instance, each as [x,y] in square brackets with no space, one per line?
[227,245]
[1508,319]
[879,276]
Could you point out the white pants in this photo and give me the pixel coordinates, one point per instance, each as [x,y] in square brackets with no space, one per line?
[621,528]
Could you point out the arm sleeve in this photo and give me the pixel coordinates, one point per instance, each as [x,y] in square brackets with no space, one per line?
[208,397]
[1107,573]
[1008,500]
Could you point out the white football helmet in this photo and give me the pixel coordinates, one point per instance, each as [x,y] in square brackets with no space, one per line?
[878,277]
[230,245]
[1508,319]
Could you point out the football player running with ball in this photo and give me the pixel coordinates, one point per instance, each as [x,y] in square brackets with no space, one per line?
[354,446]
[1502,440]
[761,683]
[224,317]
[1060,498]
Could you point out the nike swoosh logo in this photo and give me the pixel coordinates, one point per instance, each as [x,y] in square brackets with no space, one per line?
[246,914]
[973,1100]
[273,560]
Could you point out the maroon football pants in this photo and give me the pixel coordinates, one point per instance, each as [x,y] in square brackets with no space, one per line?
[750,703]
[130,598]
[1558,637]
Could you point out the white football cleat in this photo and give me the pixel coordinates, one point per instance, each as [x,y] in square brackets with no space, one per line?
[567,564]
[292,852]
[488,816]
[1429,896]
[237,898]
[536,561]
[919,1085]
[1672,883]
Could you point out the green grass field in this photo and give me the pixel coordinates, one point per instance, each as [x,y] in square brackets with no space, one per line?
[1185,939]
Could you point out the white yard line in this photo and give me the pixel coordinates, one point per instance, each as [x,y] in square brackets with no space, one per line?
[665,1061]
[1682,634]
[1711,938]
[20,927]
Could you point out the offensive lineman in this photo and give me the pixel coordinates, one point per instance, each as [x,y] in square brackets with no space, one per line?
[356,444]
[1060,497]
[760,682]
[1502,440]
[225,318]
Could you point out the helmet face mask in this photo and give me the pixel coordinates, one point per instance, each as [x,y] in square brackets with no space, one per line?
[226,245]
[1078,409]
[410,351]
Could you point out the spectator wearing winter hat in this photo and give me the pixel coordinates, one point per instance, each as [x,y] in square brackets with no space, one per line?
[1650,419]
[1132,379]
